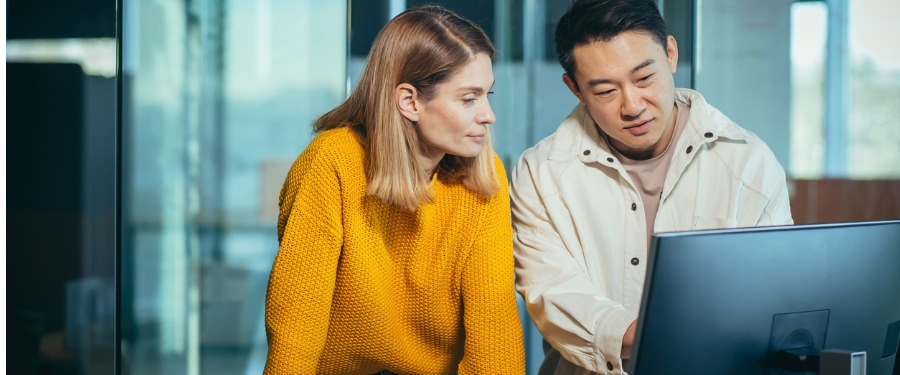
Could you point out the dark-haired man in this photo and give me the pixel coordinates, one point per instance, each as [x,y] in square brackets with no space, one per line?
[636,156]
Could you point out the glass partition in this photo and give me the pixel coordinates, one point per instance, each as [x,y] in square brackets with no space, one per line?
[808,36]
[873,79]
[217,101]
[59,199]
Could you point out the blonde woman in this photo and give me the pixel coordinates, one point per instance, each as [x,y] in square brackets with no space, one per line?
[395,239]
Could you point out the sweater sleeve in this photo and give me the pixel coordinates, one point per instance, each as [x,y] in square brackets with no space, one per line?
[493,332]
[299,295]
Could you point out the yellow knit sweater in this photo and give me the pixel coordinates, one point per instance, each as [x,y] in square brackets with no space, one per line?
[360,286]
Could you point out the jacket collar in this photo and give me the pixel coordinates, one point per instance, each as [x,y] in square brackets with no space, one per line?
[579,136]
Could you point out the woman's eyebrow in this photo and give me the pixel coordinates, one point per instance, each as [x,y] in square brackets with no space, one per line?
[476,89]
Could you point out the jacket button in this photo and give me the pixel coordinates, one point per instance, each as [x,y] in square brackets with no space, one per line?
[634,206]
[587,152]
[708,135]
[610,160]
[635,261]
[689,149]
[609,366]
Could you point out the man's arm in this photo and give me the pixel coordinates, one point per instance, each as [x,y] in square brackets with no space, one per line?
[574,316]
[778,209]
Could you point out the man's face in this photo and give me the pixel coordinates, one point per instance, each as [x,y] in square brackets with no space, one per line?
[627,86]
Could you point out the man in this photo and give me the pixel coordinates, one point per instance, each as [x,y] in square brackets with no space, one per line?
[636,156]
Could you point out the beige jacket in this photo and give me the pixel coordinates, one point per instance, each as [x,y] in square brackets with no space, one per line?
[579,233]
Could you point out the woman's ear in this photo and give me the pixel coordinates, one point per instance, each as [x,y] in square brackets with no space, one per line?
[407,97]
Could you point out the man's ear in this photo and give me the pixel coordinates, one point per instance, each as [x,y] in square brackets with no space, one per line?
[672,53]
[407,98]
[572,86]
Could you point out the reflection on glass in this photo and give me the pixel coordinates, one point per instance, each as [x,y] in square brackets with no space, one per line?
[217,101]
[61,300]
[97,57]
[874,82]
[808,31]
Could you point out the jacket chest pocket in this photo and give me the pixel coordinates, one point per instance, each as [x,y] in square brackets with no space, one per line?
[732,205]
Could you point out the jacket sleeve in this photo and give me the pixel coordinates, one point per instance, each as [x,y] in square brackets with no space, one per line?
[778,209]
[571,312]
[298,299]
[493,331]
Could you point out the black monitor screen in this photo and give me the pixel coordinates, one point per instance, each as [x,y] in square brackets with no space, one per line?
[726,301]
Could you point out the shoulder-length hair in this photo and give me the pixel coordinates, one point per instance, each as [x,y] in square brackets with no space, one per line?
[423,47]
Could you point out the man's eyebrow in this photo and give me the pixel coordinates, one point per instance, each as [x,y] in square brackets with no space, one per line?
[640,66]
[643,65]
[597,81]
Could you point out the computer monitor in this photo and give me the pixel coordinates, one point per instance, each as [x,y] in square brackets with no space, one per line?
[725,301]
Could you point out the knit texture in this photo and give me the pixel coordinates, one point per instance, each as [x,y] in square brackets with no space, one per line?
[360,286]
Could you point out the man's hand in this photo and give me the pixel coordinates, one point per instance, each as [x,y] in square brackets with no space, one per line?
[628,340]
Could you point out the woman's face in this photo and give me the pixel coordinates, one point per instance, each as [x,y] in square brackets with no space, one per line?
[455,120]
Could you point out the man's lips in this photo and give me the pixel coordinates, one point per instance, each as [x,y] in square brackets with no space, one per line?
[640,128]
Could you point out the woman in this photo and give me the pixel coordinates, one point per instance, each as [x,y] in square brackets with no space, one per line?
[396,245]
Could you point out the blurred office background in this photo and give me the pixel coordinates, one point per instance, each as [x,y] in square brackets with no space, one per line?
[148,140]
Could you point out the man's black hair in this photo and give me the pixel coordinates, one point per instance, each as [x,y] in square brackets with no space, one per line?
[589,21]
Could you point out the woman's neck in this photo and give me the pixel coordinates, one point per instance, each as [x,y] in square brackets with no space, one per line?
[429,160]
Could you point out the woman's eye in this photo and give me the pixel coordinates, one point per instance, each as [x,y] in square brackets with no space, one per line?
[468,101]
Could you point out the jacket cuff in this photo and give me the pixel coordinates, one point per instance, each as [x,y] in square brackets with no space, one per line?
[608,341]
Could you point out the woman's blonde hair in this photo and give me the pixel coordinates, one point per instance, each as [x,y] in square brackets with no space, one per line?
[423,47]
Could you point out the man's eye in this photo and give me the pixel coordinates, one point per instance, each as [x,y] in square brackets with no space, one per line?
[646,77]
[604,93]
